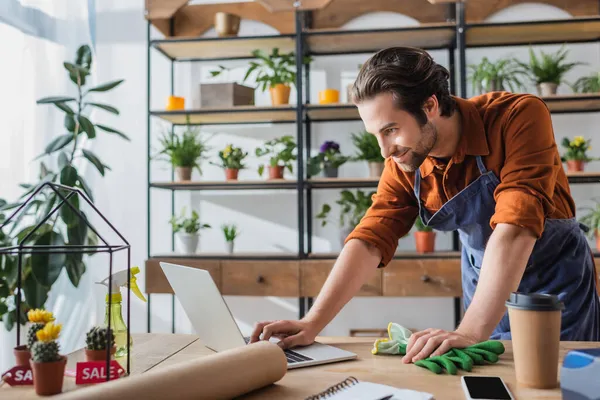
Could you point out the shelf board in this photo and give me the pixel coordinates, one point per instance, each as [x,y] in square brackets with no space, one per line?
[588,102]
[583,177]
[228,48]
[580,29]
[405,255]
[227,185]
[233,115]
[336,41]
[332,112]
[226,256]
[342,183]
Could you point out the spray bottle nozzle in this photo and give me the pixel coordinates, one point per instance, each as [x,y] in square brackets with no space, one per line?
[119,279]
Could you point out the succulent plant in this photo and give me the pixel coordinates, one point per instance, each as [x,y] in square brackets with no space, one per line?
[38,318]
[46,349]
[32,334]
[96,338]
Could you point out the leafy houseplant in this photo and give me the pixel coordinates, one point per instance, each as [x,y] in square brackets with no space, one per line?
[353,208]
[592,220]
[281,152]
[96,343]
[230,232]
[66,152]
[368,150]
[275,71]
[587,84]
[231,160]
[488,76]
[424,237]
[548,70]
[186,152]
[329,160]
[576,154]
[187,231]
[47,364]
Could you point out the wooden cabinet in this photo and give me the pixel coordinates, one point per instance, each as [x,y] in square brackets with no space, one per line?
[156,281]
[314,273]
[430,278]
[261,278]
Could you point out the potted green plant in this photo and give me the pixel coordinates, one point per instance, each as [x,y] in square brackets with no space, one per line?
[424,237]
[328,160]
[592,220]
[231,161]
[369,151]
[548,70]
[281,154]
[37,318]
[96,344]
[576,154]
[187,231]
[587,84]
[353,207]
[47,364]
[275,71]
[185,152]
[488,76]
[230,231]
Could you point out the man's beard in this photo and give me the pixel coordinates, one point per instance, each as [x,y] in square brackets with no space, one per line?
[419,154]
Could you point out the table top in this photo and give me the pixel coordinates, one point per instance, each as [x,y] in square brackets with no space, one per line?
[155,351]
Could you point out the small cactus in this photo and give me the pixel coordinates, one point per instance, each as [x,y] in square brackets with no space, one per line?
[38,318]
[96,338]
[31,334]
[46,349]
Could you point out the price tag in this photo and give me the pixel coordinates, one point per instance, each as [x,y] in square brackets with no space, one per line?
[18,376]
[95,372]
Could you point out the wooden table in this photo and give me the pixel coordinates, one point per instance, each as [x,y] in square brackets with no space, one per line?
[155,351]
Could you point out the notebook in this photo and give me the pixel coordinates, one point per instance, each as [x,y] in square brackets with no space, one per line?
[353,389]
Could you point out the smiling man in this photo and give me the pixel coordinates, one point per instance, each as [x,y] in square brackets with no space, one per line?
[487,167]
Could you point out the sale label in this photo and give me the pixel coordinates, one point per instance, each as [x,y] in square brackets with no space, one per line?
[95,372]
[18,376]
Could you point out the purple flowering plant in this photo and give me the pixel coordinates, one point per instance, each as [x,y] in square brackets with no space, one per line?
[329,156]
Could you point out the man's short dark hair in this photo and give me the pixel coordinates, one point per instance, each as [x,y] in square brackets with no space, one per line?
[410,75]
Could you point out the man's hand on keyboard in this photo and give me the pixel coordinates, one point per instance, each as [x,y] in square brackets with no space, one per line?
[290,333]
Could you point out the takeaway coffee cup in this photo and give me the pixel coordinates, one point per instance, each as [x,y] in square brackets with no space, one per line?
[535,328]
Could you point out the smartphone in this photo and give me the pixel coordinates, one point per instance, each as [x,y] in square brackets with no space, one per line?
[485,388]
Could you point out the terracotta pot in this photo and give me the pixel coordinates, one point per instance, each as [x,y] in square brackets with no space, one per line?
[547,89]
[376,169]
[276,172]
[597,240]
[48,376]
[184,173]
[425,241]
[231,174]
[280,94]
[226,24]
[22,355]
[575,165]
[99,355]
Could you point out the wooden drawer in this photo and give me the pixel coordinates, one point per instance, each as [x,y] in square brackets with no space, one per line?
[156,281]
[313,274]
[261,278]
[431,278]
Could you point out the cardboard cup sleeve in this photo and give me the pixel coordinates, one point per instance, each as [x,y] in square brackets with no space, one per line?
[223,375]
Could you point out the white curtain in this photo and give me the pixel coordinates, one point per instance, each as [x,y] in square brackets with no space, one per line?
[36,37]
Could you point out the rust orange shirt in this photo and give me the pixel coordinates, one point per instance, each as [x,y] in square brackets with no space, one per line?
[513,133]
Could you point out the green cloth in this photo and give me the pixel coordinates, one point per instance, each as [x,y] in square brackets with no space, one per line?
[454,359]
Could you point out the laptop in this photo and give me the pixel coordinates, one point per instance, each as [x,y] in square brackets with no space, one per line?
[214,324]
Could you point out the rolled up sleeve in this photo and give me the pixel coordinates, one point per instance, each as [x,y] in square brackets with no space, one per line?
[532,163]
[391,216]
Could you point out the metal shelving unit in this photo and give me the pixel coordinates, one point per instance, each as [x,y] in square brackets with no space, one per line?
[455,36]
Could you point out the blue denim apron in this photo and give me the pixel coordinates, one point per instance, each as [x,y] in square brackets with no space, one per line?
[561,262]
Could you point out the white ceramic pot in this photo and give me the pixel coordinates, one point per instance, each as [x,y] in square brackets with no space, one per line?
[547,89]
[229,246]
[188,244]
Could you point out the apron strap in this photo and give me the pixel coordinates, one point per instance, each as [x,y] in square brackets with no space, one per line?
[417,189]
[481,165]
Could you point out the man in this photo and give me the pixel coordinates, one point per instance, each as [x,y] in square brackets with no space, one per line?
[488,167]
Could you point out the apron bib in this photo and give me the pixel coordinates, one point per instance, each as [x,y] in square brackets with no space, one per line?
[561,262]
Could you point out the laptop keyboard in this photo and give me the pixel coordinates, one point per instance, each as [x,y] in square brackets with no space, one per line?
[292,356]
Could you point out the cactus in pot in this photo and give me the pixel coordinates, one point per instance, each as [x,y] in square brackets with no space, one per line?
[46,362]
[38,318]
[96,340]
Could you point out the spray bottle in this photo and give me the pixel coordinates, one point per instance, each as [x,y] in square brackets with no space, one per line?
[119,279]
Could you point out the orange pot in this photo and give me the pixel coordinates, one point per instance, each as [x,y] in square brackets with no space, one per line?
[597,240]
[48,376]
[425,242]
[276,172]
[329,96]
[99,355]
[184,173]
[575,165]
[22,355]
[231,174]
[175,103]
[280,94]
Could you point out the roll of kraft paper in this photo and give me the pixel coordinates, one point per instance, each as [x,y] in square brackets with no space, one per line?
[223,375]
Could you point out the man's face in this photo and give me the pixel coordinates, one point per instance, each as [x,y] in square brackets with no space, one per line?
[399,134]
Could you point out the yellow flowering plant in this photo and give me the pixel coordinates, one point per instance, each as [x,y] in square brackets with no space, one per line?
[39,316]
[231,157]
[576,149]
[49,333]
